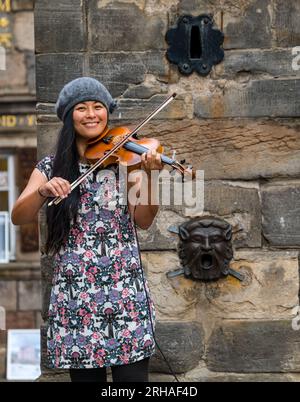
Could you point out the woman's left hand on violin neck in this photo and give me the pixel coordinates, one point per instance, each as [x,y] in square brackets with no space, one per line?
[151,160]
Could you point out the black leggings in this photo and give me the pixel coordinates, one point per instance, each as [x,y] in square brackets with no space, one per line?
[134,372]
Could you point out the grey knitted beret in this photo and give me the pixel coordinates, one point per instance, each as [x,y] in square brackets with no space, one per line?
[81,90]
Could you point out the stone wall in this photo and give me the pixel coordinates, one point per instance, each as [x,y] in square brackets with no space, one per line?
[240,125]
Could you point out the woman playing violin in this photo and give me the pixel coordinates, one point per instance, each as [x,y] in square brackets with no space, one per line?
[100,313]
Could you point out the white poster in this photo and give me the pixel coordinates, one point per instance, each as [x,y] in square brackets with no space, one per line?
[23,354]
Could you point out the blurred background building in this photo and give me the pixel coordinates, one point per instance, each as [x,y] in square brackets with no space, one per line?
[19,257]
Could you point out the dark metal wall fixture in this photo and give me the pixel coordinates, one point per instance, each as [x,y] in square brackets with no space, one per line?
[204,249]
[195,44]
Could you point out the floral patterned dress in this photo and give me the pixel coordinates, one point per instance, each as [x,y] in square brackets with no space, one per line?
[100,308]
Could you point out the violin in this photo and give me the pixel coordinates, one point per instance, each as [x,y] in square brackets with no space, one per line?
[130,153]
[121,145]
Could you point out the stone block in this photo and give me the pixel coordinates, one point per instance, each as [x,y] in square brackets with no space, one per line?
[232,149]
[208,376]
[258,98]
[182,344]
[24,31]
[18,5]
[286,23]
[134,109]
[243,64]
[46,110]
[20,271]
[118,71]
[160,377]
[269,288]
[197,7]
[281,220]
[156,64]
[60,68]
[157,237]
[8,295]
[20,320]
[254,347]
[29,295]
[173,299]
[246,24]
[54,376]
[140,32]
[13,79]
[143,91]
[46,139]
[251,28]
[59,26]
[239,206]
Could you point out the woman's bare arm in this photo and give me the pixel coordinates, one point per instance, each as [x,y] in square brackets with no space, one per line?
[35,194]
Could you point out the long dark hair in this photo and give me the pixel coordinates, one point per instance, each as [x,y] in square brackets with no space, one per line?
[65,165]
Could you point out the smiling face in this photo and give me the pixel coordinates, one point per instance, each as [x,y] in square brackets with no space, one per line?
[90,119]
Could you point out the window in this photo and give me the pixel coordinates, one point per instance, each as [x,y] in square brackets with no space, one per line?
[7,199]
[4,235]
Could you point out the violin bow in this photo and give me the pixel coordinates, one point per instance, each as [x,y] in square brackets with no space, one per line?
[80,179]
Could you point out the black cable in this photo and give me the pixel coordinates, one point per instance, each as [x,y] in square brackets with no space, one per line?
[148,303]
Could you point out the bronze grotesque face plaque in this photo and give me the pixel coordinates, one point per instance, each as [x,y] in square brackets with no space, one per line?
[204,249]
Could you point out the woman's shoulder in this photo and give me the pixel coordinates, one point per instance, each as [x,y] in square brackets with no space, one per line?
[48,158]
[45,165]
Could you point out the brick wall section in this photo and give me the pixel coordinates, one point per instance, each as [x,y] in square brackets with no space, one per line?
[241,126]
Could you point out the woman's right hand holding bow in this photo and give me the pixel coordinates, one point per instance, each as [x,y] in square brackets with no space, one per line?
[55,187]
